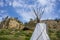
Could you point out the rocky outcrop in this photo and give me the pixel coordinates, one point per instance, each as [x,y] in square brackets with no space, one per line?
[11,23]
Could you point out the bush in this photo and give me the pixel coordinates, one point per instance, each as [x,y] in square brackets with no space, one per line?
[58,34]
[50,31]
[4,32]
[17,34]
[1,38]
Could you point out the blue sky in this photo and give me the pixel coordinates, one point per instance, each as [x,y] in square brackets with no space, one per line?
[23,9]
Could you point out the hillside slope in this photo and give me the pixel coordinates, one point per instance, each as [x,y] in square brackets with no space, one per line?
[11,23]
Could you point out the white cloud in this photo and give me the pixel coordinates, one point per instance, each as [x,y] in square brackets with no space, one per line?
[1,4]
[43,2]
[17,4]
[22,8]
[25,10]
[26,15]
[10,3]
[3,14]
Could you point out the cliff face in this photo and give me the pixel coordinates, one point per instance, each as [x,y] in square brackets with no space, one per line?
[11,23]
[53,24]
[14,23]
[54,29]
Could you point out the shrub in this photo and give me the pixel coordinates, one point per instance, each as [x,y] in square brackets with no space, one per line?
[4,32]
[58,34]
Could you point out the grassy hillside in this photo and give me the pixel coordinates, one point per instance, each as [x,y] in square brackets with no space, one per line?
[54,29]
[13,29]
[52,25]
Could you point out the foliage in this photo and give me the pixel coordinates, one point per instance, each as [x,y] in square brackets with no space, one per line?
[16,34]
[4,32]
[58,34]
